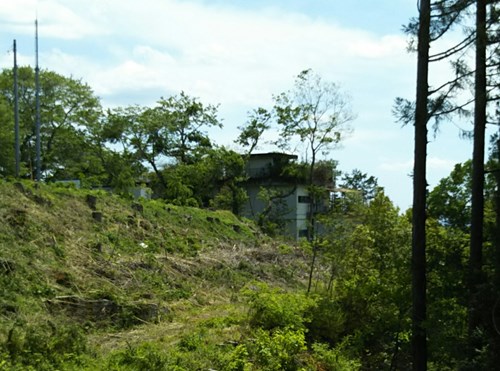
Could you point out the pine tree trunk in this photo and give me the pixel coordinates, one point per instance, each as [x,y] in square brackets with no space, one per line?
[477,197]
[495,337]
[418,263]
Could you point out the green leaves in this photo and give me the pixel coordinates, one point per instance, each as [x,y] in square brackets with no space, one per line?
[316,112]
[185,119]
[251,134]
[449,201]
[271,308]
[68,108]
[168,135]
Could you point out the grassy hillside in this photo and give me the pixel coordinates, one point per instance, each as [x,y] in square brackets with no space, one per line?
[94,281]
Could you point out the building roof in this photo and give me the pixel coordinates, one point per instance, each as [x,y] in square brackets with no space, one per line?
[273,154]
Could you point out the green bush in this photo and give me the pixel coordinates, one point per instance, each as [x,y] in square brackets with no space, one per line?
[145,357]
[327,321]
[272,308]
[44,347]
[334,359]
[237,360]
[278,350]
[192,341]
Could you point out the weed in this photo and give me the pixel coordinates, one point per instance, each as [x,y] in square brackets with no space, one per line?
[272,308]
[146,356]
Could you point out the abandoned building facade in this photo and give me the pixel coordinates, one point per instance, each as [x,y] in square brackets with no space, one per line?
[277,195]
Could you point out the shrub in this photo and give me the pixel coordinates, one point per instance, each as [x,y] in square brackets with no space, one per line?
[146,356]
[44,347]
[191,342]
[279,349]
[327,321]
[238,359]
[334,359]
[271,308]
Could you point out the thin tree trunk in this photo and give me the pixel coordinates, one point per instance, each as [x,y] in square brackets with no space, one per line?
[313,262]
[159,175]
[477,197]
[311,229]
[495,312]
[418,262]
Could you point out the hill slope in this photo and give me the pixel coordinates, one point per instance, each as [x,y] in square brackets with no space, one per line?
[91,280]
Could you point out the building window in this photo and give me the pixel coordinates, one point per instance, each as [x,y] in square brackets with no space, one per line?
[304,200]
[303,233]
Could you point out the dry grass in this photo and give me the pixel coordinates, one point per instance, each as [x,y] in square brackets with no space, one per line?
[192,262]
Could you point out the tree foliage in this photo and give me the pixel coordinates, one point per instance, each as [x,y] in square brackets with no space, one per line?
[185,120]
[251,134]
[315,112]
[68,107]
[359,183]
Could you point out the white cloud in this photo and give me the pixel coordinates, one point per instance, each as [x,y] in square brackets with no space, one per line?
[226,55]
[62,21]
[363,137]
[433,164]
[437,163]
[396,166]
[370,47]
[19,11]
[57,19]
[220,54]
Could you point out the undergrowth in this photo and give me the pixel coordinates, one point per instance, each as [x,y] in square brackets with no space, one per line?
[94,281]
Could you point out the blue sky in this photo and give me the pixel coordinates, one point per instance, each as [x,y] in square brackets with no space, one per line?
[238,54]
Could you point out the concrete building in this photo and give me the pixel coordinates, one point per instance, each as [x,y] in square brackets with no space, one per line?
[276,195]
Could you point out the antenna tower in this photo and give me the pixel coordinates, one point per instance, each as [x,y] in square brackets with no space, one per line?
[37,97]
[16,115]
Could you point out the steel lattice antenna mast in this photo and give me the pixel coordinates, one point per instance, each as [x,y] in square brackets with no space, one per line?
[37,94]
[16,115]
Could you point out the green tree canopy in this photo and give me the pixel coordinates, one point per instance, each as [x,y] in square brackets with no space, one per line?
[170,133]
[185,121]
[449,201]
[315,112]
[68,106]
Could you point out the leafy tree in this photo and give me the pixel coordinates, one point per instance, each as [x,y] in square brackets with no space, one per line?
[251,133]
[121,172]
[481,32]
[213,181]
[435,20]
[117,166]
[272,218]
[169,133]
[494,169]
[448,236]
[448,240]
[447,299]
[179,183]
[68,106]
[367,288]
[316,113]
[184,120]
[449,201]
[419,284]
[366,186]
[477,195]
[6,138]
[141,134]
[226,170]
